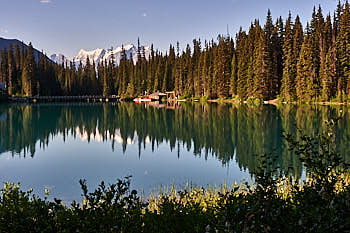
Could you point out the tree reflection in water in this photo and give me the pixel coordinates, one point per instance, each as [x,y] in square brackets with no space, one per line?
[227,132]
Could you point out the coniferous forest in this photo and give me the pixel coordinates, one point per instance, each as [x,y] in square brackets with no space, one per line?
[276,59]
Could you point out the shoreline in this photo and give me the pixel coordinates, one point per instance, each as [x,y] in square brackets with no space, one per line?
[91,99]
[277,102]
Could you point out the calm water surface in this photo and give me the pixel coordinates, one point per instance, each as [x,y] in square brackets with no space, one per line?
[54,145]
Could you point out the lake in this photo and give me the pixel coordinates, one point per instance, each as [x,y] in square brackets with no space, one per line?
[54,145]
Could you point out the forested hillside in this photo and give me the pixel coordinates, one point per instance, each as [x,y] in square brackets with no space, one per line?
[275,59]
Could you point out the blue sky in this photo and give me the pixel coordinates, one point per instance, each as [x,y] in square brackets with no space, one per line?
[66,26]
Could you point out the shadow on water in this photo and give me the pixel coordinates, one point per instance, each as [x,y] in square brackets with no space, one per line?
[227,132]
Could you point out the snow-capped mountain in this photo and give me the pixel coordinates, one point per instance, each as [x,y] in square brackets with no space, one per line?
[99,55]
[59,58]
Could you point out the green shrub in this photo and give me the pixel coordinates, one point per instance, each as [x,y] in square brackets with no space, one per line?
[274,203]
[254,101]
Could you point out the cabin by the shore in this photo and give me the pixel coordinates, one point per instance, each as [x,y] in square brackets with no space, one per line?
[169,96]
[157,95]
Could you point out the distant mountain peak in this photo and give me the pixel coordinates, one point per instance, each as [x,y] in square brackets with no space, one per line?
[59,58]
[101,55]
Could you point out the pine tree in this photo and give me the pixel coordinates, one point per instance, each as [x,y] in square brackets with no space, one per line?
[233,80]
[252,45]
[197,79]
[171,64]
[4,67]
[210,72]
[188,73]
[124,72]
[41,77]
[263,68]
[298,38]
[205,67]
[324,57]
[305,71]
[165,82]
[18,71]
[337,18]
[106,91]
[138,50]
[276,56]
[158,75]
[28,73]
[287,88]
[92,76]
[269,30]
[87,78]
[268,26]
[242,63]
[318,53]
[328,32]
[343,52]
[130,91]
[329,74]
[11,71]
[223,67]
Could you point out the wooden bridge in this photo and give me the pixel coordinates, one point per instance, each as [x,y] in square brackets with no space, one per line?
[85,98]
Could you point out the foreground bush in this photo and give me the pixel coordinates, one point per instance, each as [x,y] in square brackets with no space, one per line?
[273,204]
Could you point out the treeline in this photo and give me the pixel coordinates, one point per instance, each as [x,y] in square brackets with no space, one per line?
[276,60]
[24,74]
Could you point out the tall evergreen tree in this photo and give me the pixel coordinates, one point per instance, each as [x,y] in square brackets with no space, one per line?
[11,71]
[242,62]
[233,80]
[305,70]
[223,67]
[262,68]
[28,73]
[343,52]
[4,67]
[289,68]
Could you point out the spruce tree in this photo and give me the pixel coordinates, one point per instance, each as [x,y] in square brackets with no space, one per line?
[158,75]
[262,68]
[223,67]
[289,68]
[165,82]
[28,73]
[305,71]
[197,79]
[4,67]
[276,56]
[343,52]
[329,75]
[252,45]
[272,79]
[298,38]
[242,63]
[11,71]
[279,49]
[233,80]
